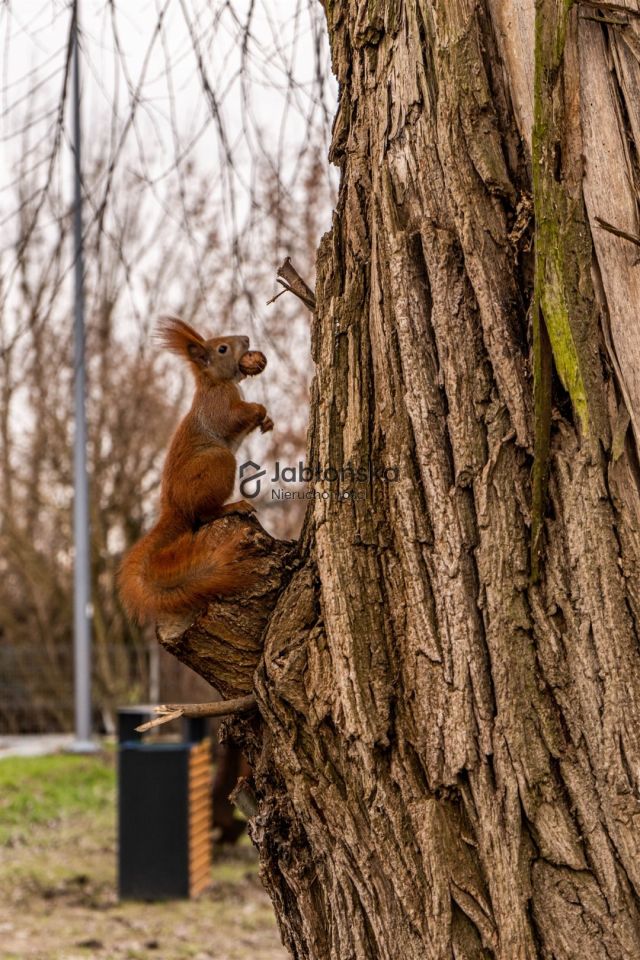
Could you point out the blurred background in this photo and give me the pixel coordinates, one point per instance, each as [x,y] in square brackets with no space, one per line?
[204,164]
[205,135]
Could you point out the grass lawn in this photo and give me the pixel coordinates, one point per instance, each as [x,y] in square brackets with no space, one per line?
[41,790]
[57,878]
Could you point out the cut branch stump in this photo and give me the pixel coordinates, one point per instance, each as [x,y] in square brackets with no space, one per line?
[223,642]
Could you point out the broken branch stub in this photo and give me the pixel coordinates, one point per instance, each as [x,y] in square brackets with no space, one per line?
[167,712]
[223,641]
[292,282]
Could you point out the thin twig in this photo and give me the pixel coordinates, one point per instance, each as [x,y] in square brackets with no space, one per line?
[216,708]
[292,282]
[631,237]
[607,20]
[287,289]
[610,7]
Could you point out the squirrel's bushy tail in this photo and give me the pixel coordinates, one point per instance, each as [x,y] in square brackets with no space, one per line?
[169,572]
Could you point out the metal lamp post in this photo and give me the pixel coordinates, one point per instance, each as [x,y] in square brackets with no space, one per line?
[83,742]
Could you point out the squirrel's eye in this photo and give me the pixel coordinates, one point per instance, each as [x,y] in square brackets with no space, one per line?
[222,349]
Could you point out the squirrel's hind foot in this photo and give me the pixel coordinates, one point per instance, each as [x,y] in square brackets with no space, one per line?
[239,506]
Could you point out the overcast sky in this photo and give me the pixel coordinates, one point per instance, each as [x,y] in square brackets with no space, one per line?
[237,87]
[244,95]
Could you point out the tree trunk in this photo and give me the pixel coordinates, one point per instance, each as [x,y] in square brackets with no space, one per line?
[448,758]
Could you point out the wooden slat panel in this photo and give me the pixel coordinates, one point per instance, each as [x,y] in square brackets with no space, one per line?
[199,780]
[201,866]
[202,872]
[200,843]
[198,799]
[199,886]
[199,815]
[203,862]
[200,876]
[199,773]
[196,836]
[201,752]
[198,768]
[200,818]
[203,819]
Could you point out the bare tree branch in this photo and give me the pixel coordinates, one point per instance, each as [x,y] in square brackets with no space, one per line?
[624,234]
[292,282]
[217,708]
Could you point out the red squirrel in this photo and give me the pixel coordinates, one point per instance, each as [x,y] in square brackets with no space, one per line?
[181,563]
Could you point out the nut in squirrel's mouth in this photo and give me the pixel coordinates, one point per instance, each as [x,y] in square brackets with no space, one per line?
[251,363]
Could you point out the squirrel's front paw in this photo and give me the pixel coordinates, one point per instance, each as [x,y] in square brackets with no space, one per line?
[266,425]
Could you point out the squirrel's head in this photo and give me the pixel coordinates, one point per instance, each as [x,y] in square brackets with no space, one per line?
[217,359]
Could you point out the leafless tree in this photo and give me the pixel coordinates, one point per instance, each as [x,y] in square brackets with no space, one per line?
[137,268]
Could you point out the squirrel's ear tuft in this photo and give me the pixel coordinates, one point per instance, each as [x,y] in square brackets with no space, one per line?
[176,335]
[199,354]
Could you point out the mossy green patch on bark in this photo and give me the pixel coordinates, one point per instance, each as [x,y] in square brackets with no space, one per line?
[555,310]
[564,319]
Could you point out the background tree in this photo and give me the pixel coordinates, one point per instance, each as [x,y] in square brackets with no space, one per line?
[137,268]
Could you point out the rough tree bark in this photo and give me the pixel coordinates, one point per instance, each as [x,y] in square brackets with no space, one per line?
[447,756]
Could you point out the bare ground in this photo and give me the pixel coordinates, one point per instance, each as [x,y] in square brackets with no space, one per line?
[58,901]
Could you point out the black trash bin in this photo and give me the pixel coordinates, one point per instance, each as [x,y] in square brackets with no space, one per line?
[164,811]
